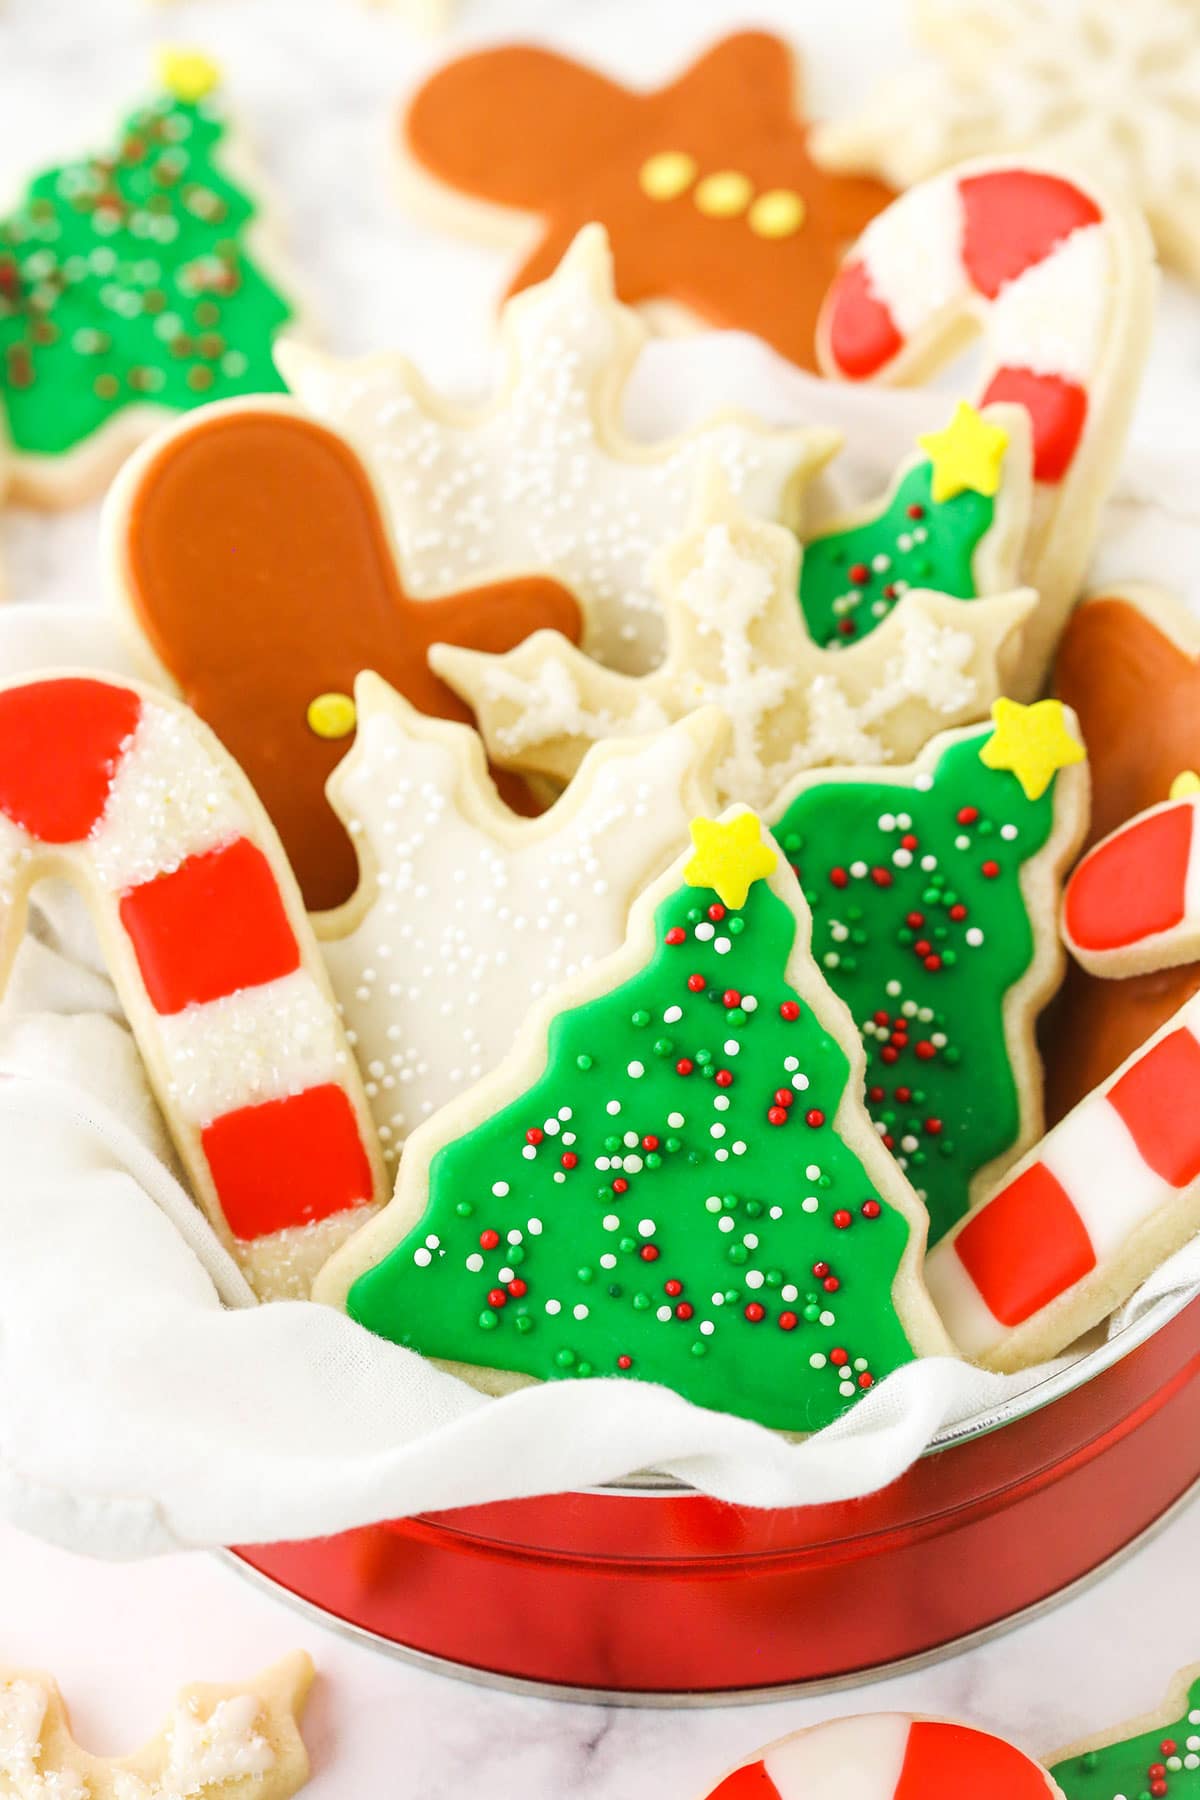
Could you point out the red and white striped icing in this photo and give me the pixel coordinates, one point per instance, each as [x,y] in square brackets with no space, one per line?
[1133,903]
[889,1756]
[210,950]
[1028,252]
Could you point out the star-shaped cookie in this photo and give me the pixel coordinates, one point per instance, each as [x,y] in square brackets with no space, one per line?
[1108,84]
[735,638]
[220,1743]
[466,912]
[544,477]
[705,186]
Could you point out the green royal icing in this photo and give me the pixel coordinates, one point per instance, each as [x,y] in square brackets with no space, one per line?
[124,278]
[738,1210]
[1124,1769]
[946,1100]
[934,548]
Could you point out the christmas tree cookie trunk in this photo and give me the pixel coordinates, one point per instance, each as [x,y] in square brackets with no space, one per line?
[135,282]
[672,1177]
[934,892]
[1158,1754]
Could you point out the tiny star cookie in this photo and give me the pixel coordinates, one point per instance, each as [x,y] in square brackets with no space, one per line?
[468,913]
[1114,1188]
[544,478]
[705,186]
[249,551]
[735,638]
[934,892]
[1108,86]
[1059,279]
[235,1742]
[671,1177]
[889,1756]
[954,520]
[1157,1754]
[135,282]
[1129,665]
[128,796]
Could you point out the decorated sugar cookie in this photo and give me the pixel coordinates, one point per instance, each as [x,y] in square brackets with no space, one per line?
[1114,1188]
[1059,279]
[735,638]
[545,477]
[1129,665]
[934,894]
[252,556]
[466,913]
[671,1177]
[705,186]
[1157,1755]
[955,520]
[889,1756]
[126,794]
[220,1743]
[1110,86]
[135,282]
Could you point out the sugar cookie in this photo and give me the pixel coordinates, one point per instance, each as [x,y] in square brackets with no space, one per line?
[671,1176]
[126,794]
[1157,1754]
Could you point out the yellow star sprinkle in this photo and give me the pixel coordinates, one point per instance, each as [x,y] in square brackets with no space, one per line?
[730,857]
[967,453]
[1032,741]
[188,74]
[1186,782]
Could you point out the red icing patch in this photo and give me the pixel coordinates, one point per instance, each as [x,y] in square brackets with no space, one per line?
[1132,887]
[1013,219]
[862,333]
[60,743]
[1057,414]
[287,1162]
[954,1762]
[215,925]
[750,1783]
[1027,1245]
[1159,1100]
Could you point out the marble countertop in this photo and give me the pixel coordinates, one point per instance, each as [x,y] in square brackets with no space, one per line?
[316,82]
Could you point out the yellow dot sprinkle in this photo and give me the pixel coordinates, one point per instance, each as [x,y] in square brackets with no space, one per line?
[332,715]
[1186,782]
[667,175]
[724,195]
[778,213]
[188,74]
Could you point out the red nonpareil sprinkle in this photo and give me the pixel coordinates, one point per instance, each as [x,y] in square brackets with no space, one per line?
[866,1379]
[696,984]
[933,963]
[754,1312]
[789,1010]
[875,1095]
[724,1078]
[676,935]
[881,877]
[904,1095]
[958,912]
[497,1297]
[933,1127]
[925,1050]
[534,1135]
[624,1362]
[914,921]
[838,878]
[843,1219]
[847,628]
[831,1284]
[716,912]
[649,1142]
[838,1358]
[889,1053]
[788,1321]
[673,1287]
[967,815]
[488,1240]
[684,1310]
[882,1018]
[684,1066]
[990,870]
[814,1117]
[820,1270]
[620,1185]
[784,1096]
[649,1252]
[915,510]
[1168,1747]
[518,1288]
[909,841]
[871,1209]
[922,947]
[569,1159]
[888,1141]
[777,1115]
[731,998]
[859,573]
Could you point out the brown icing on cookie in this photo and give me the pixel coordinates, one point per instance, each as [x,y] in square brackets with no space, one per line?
[257,563]
[1136,691]
[705,186]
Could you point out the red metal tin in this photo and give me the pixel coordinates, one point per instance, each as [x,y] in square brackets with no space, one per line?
[655,1590]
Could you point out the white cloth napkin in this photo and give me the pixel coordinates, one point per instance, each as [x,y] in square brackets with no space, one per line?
[146,1401]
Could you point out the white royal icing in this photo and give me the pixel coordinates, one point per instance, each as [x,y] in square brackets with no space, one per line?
[544,479]
[913,255]
[852,1759]
[1053,318]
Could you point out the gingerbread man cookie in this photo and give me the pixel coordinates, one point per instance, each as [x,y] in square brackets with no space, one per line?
[235,1742]
[126,794]
[1058,278]
[251,553]
[889,1756]
[705,186]
[135,283]
[545,476]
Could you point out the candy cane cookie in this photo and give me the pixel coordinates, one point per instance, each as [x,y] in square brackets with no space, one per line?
[126,794]
[889,1756]
[1114,1188]
[1059,279]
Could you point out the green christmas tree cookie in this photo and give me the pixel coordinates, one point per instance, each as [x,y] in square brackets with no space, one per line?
[129,282]
[671,1178]
[934,894]
[955,520]
[1152,1758]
